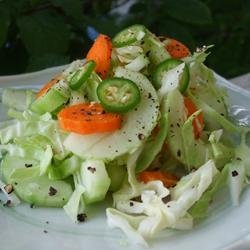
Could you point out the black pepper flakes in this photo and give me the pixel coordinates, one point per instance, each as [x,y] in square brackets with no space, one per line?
[179,153]
[81,217]
[147,53]
[52,191]
[45,231]
[131,204]
[91,169]
[27,165]
[234,173]
[238,159]
[166,199]
[7,203]
[141,136]
[137,199]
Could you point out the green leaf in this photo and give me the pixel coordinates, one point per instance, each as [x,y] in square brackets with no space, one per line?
[74,9]
[190,11]
[44,32]
[45,61]
[4,23]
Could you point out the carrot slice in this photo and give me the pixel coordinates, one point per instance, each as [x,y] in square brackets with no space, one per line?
[168,180]
[100,52]
[88,118]
[177,49]
[47,86]
[198,122]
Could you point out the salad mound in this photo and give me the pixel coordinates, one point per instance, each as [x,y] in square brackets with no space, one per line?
[141,118]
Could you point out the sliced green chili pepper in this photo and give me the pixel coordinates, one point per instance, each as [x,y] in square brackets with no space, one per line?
[167,65]
[129,35]
[81,75]
[118,94]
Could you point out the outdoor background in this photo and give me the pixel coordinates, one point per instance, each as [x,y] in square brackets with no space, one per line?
[36,34]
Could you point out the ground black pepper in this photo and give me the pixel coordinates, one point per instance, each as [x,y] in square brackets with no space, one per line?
[234,173]
[52,191]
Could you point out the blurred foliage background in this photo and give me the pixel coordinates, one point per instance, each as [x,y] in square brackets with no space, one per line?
[35,34]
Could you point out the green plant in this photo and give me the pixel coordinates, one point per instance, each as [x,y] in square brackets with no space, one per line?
[36,34]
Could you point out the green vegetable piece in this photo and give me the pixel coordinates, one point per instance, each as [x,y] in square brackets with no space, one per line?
[211,114]
[129,35]
[118,94]
[155,49]
[77,80]
[166,66]
[40,191]
[12,163]
[153,146]
[195,150]
[52,100]
[117,175]
[95,179]
[174,105]
[91,87]
[32,188]
[200,209]
[64,169]
[18,99]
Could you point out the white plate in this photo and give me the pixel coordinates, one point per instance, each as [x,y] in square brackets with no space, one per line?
[25,228]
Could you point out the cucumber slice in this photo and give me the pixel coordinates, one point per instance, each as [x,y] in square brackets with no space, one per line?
[23,174]
[52,100]
[12,163]
[170,74]
[41,191]
[129,35]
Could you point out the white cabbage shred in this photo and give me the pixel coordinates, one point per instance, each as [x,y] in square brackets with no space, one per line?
[140,211]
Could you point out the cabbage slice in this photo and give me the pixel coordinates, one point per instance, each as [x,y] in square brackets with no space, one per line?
[145,203]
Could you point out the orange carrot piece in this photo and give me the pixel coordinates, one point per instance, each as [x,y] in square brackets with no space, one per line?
[100,52]
[168,180]
[198,122]
[177,49]
[88,118]
[47,86]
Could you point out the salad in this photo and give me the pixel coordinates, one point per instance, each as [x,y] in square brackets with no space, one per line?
[141,119]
